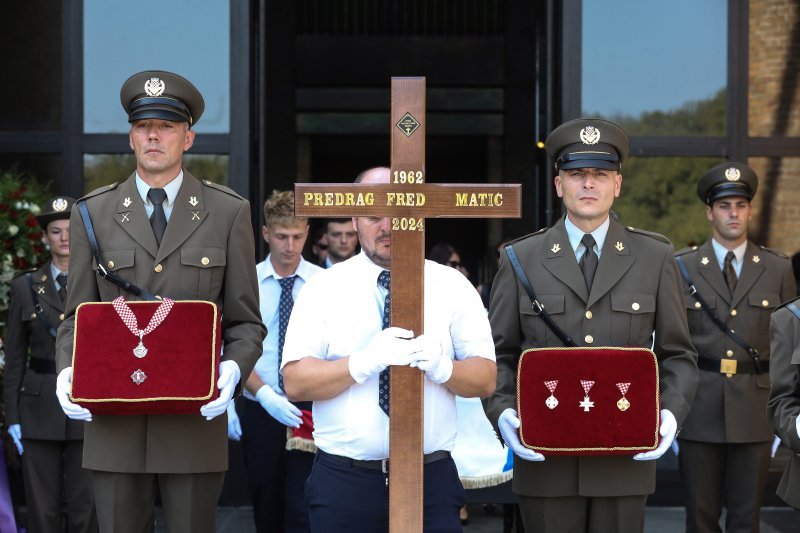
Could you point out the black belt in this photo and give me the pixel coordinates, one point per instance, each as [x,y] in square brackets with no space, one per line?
[382,464]
[731,366]
[42,366]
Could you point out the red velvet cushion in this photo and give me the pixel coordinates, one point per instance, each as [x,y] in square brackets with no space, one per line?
[604,429]
[181,365]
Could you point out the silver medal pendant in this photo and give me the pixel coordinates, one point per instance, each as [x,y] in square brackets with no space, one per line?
[140,351]
[551,402]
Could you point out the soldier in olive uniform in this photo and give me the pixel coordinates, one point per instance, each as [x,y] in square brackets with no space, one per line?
[51,444]
[783,407]
[604,285]
[173,235]
[725,442]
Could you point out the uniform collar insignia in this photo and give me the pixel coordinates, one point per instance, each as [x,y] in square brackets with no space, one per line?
[619,246]
[193,200]
[125,217]
[556,248]
[756,259]
[40,289]
[127,202]
[704,261]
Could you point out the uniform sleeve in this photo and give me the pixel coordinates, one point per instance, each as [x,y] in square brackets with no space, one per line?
[673,347]
[16,344]
[783,406]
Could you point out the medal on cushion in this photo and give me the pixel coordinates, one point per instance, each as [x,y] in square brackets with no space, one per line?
[623,404]
[129,319]
[551,402]
[587,403]
[140,350]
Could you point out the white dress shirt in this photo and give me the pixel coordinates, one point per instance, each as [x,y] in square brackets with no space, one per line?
[340,310]
[269,294]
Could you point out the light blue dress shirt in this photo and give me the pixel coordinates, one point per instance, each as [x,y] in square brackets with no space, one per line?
[170,188]
[575,234]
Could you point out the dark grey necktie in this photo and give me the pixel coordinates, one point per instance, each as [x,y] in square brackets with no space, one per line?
[158,219]
[729,273]
[384,280]
[62,292]
[285,304]
[588,262]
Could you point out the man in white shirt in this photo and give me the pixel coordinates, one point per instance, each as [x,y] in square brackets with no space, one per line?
[342,241]
[276,476]
[339,344]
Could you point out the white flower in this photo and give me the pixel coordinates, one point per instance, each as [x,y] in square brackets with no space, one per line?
[17,205]
[26,205]
[13,230]
[7,258]
[20,253]
[35,209]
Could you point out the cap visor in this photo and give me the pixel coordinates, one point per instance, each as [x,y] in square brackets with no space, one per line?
[590,163]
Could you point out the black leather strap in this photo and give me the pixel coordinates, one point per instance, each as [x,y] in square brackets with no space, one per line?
[752,352]
[101,270]
[40,314]
[742,367]
[538,308]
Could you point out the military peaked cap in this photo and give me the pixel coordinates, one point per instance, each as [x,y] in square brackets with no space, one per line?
[727,179]
[56,208]
[588,143]
[161,94]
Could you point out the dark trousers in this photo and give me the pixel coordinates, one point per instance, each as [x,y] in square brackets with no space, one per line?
[342,498]
[731,474]
[53,478]
[276,476]
[126,502]
[583,514]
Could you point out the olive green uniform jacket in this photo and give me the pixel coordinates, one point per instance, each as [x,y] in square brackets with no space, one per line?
[635,267]
[207,253]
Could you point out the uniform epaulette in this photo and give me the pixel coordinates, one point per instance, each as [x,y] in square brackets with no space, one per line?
[773,251]
[685,251]
[652,234]
[101,190]
[537,232]
[795,299]
[222,188]
[23,272]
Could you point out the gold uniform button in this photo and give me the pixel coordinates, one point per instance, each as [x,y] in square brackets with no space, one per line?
[33,315]
[158,268]
[111,264]
[733,312]
[729,353]
[589,339]
[61,316]
[635,306]
[697,305]
[588,315]
[765,303]
[205,261]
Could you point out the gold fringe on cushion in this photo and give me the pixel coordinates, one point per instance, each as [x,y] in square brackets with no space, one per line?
[482,482]
[299,443]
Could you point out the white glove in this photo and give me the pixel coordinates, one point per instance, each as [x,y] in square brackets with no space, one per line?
[669,427]
[775,443]
[432,360]
[229,375]
[279,407]
[391,346]
[797,426]
[72,410]
[15,430]
[234,426]
[508,423]
[676,449]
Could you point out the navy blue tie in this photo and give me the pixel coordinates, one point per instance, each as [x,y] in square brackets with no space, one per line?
[285,305]
[384,280]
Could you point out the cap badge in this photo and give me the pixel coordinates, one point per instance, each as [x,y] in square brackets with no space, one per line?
[704,261]
[556,248]
[619,246]
[127,202]
[154,87]
[59,204]
[590,135]
[732,174]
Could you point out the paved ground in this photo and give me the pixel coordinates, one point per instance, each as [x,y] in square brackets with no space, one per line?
[659,520]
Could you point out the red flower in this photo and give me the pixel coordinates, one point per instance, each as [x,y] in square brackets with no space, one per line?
[31,221]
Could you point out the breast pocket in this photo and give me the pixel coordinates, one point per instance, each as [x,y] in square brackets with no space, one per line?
[122,263]
[202,272]
[762,304]
[699,323]
[632,316]
[533,327]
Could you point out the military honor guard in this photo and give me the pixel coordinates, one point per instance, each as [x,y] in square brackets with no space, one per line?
[602,285]
[164,232]
[731,286]
[51,445]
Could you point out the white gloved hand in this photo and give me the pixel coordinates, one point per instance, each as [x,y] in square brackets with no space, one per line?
[229,375]
[234,425]
[72,410]
[279,407]
[432,360]
[391,346]
[668,429]
[508,423]
[15,430]
[775,443]
[797,426]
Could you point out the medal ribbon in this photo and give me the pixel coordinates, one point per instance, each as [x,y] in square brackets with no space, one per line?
[623,387]
[587,386]
[551,385]
[129,318]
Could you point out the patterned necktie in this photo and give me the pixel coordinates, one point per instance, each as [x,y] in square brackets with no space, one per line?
[589,260]
[729,273]
[285,305]
[158,219]
[384,280]
[62,292]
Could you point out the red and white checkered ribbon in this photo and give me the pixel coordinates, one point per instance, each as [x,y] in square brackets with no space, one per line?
[623,387]
[551,385]
[587,386]
[129,318]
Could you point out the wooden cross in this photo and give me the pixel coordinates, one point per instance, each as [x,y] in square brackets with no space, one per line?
[409,200]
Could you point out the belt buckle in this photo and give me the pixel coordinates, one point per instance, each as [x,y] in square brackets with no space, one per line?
[727,367]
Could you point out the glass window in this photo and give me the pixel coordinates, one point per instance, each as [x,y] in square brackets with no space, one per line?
[45,168]
[189,38]
[660,194]
[775,205]
[103,169]
[653,68]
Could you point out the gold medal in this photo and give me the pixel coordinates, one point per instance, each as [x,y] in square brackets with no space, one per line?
[623,404]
